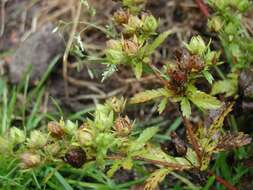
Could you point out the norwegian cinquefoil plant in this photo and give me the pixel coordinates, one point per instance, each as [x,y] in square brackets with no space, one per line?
[135,42]
[229,22]
[109,136]
[179,79]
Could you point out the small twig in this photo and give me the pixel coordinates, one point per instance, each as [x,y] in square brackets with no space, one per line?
[90,85]
[55,15]
[66,53]
[203,7]
[145,79]
[98,96]
[193,140]
[222,181]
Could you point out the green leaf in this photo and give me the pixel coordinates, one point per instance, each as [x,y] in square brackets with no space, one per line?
[209,183]
[208,76]
[62,181]
[156,177]
[162,105]
[155,153]
[149,95]
[115,166]
[203,100]
[150,48]
[146,135]
[186,107]
[109,71]
[227,86]
[138,70]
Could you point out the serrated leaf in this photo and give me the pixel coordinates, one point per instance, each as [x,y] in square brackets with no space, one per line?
[227,86]
[155,178]
[203,100]
[149,95]
[185,107]
[155,153]
[115,166]
[150,48]
[146,135]
[109,71]
[230,141]
[218,121]
[208,76]
[162,105]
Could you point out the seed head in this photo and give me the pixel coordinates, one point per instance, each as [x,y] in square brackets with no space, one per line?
[76,157]
[29,160]
[55,129]
[123,126]
[121,16]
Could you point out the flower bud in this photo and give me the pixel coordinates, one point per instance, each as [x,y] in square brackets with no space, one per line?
[196,45]
[17,136]
[70,128]
[84,137]
[215,24]
[149,24]
[195,64]
[121,16]
[55,129]
[133,24]
[114,56]
[76,157]
[118,105]
[123,126]
[130,47]
[37,139]
[211,57]
[29,160]
[53,149]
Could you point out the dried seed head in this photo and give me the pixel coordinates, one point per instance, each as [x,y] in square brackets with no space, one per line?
[130,47]
[123,126]
[178,77]
[55,129]
[195,64]
[29,160]
[121,16]
[76,157]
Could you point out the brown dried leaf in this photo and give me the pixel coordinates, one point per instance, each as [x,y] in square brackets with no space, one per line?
[230,140]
